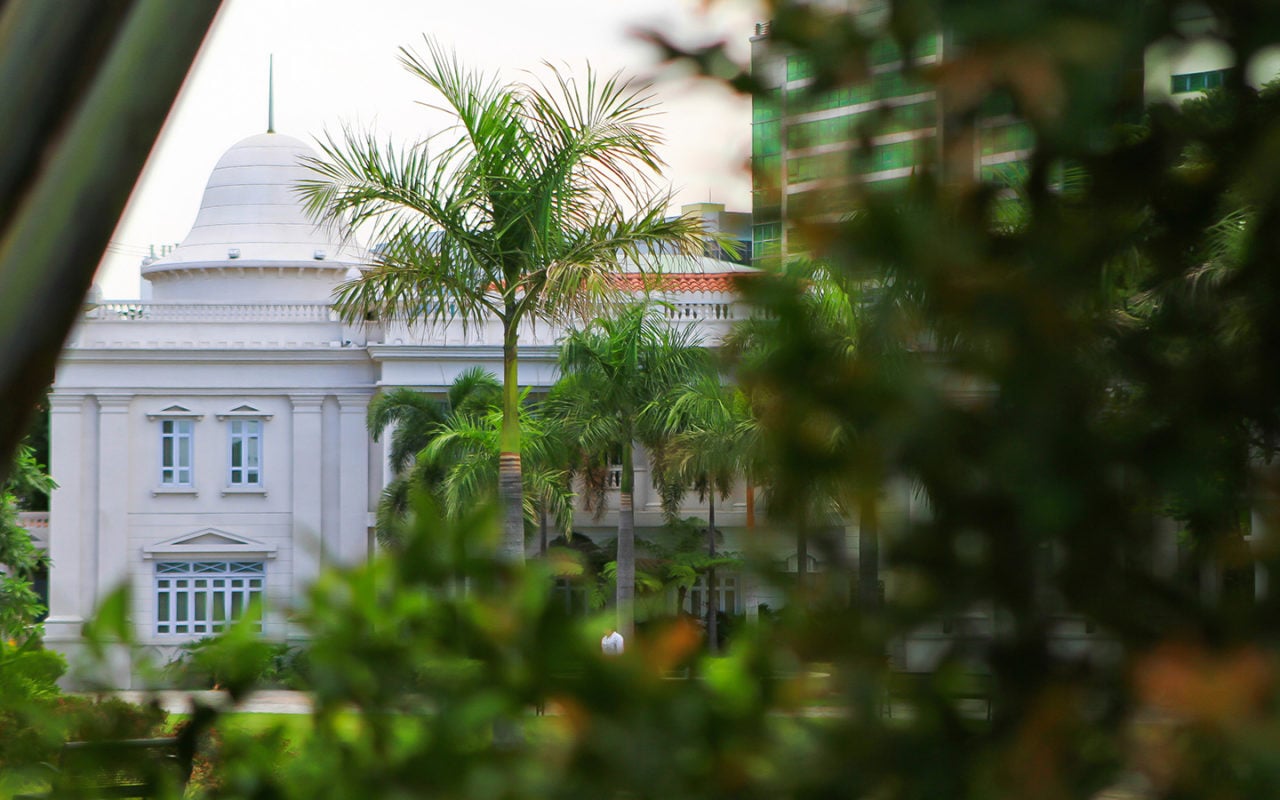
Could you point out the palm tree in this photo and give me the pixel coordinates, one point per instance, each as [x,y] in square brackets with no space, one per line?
[523,217]
[417,419]
[462,461]
[713,440]
[613,371]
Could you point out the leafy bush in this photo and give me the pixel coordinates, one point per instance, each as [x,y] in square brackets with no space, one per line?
[214,662]
[36,718]
[28,688]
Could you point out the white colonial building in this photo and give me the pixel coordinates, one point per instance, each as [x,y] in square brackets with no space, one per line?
[209,442]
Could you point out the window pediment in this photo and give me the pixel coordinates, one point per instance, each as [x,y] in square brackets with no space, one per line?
[174,411]
[208,542]
[790,563]
[243,410]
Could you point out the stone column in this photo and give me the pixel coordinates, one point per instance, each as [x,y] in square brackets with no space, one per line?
[353,469]
[113,491]
[307,510]
[70,548]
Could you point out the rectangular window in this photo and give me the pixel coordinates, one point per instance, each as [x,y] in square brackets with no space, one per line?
[1198,81]
[200,598]
[724,594]
[766,139]
[246,452]
[175,452]
[798,68]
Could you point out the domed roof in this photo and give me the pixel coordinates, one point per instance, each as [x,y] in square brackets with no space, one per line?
[251,215]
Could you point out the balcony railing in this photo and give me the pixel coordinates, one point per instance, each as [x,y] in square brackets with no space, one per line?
[212,312]
[701,311]
[36,523]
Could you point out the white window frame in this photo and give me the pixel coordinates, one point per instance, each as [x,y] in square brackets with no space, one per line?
[202,598]
[248,433]
[173,432]
[727,585]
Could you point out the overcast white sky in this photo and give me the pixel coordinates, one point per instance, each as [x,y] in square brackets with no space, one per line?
[335,64]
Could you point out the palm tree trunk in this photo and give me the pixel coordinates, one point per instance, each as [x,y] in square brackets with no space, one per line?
[712,639]
[802,555]
[626,571]
[510,484]
[868,554]
[542,531]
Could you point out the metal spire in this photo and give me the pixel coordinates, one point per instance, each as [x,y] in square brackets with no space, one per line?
[271,93]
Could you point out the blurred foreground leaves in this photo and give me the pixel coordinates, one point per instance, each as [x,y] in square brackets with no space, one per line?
[412,669]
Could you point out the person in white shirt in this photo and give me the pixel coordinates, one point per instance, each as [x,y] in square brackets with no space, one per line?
[611,644]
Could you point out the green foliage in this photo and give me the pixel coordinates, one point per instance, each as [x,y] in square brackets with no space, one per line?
[524,216]
[1010,401]
[614,374]
[29,672]
[36,718]
[410,675]
[244,660]
[20,559]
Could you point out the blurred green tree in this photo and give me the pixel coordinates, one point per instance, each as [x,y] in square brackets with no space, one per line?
[20,560]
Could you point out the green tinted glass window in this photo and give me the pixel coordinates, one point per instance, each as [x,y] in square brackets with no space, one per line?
[899,154]
[884,51]
[765,108]
[810,168]
[1010,173]
[1007,138]
[765,139]
[910,117]
[764,171]
[798,68]
[890,185]
[820,132]
[927,45]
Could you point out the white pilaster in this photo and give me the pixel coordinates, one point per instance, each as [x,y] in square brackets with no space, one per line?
[353,467]
[113,491]
[69,599]
[307,506]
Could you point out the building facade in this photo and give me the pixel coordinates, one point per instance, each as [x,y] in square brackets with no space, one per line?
[209,442]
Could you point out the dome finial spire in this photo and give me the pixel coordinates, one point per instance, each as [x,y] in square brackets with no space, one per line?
[271,93]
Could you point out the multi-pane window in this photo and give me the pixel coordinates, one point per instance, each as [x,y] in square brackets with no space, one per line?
[766,138]
[246,452]
[203,597]
[798,68]
[724,594]
[820,132]
[1198,81]
[175,452]
[1012,137]
[899,155]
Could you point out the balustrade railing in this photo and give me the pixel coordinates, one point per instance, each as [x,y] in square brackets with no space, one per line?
[323,312]
[212,312]
[34,521]
[701,311]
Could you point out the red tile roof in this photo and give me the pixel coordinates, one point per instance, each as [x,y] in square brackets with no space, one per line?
[681,282]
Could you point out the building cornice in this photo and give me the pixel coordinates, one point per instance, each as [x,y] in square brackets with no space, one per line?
[112,355]
[458,352]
